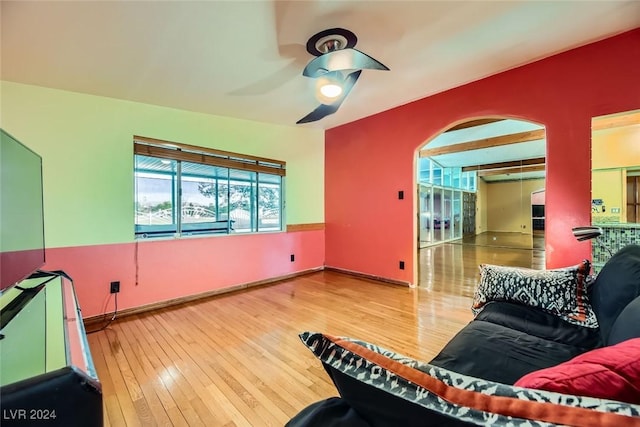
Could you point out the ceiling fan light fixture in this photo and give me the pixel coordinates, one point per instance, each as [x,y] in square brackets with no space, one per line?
[334,55]
[329,87]
[331,90]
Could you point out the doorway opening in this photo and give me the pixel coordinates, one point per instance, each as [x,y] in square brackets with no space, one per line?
[615,183]
[482,182]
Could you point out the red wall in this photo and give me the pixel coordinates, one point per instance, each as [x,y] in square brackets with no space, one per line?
[368,161]
[154,271]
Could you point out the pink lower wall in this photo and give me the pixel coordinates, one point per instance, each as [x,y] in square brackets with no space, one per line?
[154,271]
[368,161]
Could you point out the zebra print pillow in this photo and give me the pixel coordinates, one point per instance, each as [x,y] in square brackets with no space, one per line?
[391,389]
[562,292]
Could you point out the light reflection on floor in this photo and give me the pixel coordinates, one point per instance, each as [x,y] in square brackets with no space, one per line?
[453,268]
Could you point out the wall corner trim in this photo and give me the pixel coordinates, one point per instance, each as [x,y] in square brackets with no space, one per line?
[305,227]
[369,276]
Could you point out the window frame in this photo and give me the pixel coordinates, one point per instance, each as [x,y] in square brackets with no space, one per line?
[186,153]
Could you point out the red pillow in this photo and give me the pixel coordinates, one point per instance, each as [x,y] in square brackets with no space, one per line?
[611,372]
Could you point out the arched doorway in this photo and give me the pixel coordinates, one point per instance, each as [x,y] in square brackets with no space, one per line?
[483,182]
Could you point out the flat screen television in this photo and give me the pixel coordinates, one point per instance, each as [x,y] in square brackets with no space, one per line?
[21,212]
[537,211]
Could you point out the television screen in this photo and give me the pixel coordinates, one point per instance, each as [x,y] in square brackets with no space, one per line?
[21,211]
[537,211]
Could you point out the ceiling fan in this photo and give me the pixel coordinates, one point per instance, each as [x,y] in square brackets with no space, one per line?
[336,68]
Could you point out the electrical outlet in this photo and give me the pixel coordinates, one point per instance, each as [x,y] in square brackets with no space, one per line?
[401,265]
[115,287]
[293,257]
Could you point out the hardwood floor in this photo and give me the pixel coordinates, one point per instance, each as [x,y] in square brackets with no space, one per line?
[236,360]
[506,240]
[453,268]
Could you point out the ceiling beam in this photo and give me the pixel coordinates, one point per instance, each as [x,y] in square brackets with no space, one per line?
[502,165]
[473,123]
[618,120]
[495,141]
[532,168]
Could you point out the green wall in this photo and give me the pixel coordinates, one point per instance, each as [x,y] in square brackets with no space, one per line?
[86,143]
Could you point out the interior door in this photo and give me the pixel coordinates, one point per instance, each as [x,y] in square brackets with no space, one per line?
[633,199]
[468,214]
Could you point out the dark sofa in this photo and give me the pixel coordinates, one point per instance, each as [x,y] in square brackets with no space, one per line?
[506,341]
[520,335]
[515,331]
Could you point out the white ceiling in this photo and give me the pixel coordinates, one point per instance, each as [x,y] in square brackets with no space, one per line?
[486,156]
[517,151]
[244,58]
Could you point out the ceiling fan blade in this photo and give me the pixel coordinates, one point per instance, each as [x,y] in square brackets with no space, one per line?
[349,81]
[324,110]
[320,112]
[343,59]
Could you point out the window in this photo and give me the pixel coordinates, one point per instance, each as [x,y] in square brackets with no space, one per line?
[442,190]
[431,172]
[186,190]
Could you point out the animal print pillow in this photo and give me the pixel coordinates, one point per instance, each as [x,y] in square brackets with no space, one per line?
[389,389]
[562,291]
